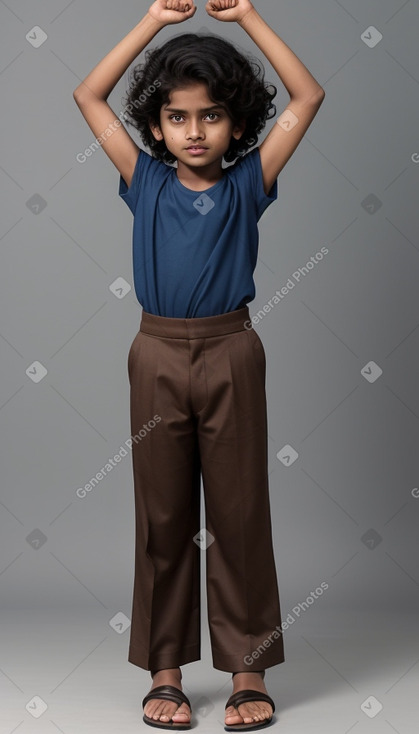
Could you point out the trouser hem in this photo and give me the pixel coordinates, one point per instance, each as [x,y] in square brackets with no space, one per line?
[164,660]
[236,663]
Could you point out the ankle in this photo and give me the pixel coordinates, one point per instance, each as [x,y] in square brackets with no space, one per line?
[167,672]
[241,677]
[262,672]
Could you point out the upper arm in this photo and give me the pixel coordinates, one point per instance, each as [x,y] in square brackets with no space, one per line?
[108,128]
[283,139]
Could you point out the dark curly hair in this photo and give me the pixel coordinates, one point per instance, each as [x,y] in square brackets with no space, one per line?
[235,81]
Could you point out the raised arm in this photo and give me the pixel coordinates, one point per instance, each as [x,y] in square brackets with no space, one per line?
[306,94]
[91,94]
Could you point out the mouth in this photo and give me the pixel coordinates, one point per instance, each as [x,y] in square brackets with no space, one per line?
[196,149]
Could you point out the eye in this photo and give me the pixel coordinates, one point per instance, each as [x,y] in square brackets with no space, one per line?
[173,116]
[214,114]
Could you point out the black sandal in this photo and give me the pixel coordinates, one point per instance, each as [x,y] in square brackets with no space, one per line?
[247,696]
[169,693]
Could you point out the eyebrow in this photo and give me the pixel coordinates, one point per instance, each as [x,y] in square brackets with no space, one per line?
[184,112]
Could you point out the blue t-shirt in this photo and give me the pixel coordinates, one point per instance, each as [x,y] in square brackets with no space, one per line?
[194,252]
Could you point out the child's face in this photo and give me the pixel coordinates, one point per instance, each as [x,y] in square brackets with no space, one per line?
[195,129]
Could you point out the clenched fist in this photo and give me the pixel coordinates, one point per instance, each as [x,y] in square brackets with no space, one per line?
[228,10]
[172,11]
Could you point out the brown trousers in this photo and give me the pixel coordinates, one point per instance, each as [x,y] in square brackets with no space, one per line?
[198,406]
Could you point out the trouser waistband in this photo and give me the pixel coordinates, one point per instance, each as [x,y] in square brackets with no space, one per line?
[195,328]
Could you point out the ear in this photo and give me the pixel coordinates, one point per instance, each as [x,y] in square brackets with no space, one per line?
[155,129]
[239,129]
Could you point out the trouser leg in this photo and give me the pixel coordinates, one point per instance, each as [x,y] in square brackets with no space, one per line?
[242,590]
[165,624]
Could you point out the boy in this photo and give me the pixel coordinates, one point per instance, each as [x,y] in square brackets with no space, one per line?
[195,367]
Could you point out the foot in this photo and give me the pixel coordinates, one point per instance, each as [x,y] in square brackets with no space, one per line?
[161,709]
[248,712]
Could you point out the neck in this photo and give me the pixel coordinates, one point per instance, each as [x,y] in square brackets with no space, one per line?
[199,179]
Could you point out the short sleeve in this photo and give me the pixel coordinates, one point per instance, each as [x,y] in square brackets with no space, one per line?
[249,169]
[149,173]
[130,194]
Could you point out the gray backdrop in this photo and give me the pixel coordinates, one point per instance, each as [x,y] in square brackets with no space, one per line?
[341,346]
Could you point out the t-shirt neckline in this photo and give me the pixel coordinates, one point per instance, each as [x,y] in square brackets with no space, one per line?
[181,186]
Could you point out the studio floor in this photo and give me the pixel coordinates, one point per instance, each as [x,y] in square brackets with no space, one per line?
[345,671]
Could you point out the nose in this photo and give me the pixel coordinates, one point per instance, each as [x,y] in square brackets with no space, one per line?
[194,129]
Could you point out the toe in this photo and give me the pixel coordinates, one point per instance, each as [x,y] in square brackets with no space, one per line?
[254,711]
[167,711]
[182,714]
[159,708]
[232,716]
[246,712]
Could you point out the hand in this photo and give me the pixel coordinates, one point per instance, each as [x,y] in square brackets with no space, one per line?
[228,10]
[172,11]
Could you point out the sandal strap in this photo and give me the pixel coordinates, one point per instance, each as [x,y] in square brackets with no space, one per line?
[247,696]
[169,693]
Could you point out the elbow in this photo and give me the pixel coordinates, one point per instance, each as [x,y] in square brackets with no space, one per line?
[318,96]
[313,99]
[81,91]
[82,94]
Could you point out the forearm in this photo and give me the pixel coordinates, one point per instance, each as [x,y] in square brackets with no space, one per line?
[296,78]
[109,71]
